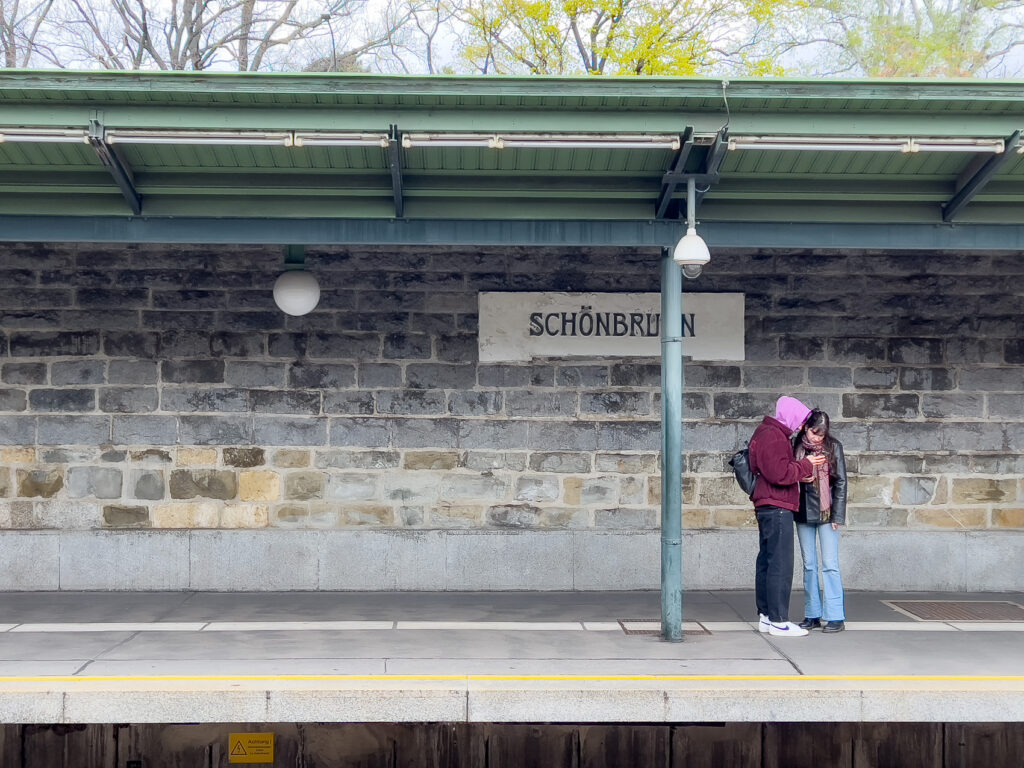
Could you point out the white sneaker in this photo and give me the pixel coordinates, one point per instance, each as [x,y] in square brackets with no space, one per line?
[786,629]
[762,623]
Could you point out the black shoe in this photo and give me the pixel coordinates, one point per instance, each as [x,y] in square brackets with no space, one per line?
[834,626]
[810,624]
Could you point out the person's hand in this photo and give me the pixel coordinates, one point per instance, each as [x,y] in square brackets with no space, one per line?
[835,526]
[807,480]
[817,459]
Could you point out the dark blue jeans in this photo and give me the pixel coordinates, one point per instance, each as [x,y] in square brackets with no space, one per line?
[773,579]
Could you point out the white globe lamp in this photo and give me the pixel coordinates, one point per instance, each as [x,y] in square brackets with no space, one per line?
[296,292]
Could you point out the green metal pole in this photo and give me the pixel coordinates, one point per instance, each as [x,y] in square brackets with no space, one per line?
[671,448]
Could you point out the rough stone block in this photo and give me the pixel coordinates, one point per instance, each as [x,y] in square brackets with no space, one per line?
[323,376]
[915,490]
[950,517]
[412,487]
[376,515]
[71,430]
[981,379]
[203,514]
[406,346]
[899,437]
[252,373]
[192,371]
[352,486]
[505,376]
[916,351]
[356,459]
[216,430]
[206,483]
[431,460]
[77,372]
[128,399]
[743,405]
[492,435]
[379,375]
[485,461]
[448,515]
[575,376]
[625,463]
[284,401]
[979,490]
[566,436]
[244,457]
[244,516]
[64,400]
[56,344]
[832,378]
[289,458]
[525,403]
[196,457]
[531,488]
[599,490]
[865,406]
[360,432]
[956,406]
[99,482]
[870,490]
[136,344]
[344,346]
[631,491]
[639,375]
[801,348]
[927,379]
[119,516]
[301,486]
[23,373]
[1008,518]
[147,484]
[425,433]
[717,491]
[259,485]
[351,402]
[457,347]
[39,483]
[888,464]
[203,399]
[876,377]
[513,516]
[414,402]
[615,404]
[482,487]
[132,372]
[440,376]
[777,377]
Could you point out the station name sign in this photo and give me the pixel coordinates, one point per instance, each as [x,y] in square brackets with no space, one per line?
[523,326]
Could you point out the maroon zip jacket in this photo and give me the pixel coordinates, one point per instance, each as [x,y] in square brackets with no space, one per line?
[771,457]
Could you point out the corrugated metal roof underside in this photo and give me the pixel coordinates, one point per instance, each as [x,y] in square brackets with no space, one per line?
[478,182]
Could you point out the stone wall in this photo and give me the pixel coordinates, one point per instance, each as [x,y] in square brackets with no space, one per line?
[158,387]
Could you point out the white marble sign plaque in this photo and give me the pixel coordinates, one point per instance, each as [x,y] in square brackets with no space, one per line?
[522,326]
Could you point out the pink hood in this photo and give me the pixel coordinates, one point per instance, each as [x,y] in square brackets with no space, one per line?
[791,412]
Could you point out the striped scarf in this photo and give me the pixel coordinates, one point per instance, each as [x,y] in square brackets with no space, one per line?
[820,476]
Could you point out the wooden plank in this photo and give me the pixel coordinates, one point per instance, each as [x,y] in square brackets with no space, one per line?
[808,745]
[710,745]
[67,746]
[992,745]
[518,746]
[603,746]
[908,745]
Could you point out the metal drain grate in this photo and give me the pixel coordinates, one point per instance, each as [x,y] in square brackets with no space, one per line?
[958,610]
[652,627]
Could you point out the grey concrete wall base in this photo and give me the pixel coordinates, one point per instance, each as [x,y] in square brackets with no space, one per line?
[439,560]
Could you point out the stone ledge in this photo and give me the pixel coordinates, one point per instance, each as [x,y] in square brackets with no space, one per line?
[248,560]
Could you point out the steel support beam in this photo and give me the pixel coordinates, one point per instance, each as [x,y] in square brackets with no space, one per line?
[713,164]
[395,163]
[671,448]
[973,185]
[118,169]
[574,232]
[674,174]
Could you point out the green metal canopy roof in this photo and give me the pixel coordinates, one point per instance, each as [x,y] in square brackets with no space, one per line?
[321,158]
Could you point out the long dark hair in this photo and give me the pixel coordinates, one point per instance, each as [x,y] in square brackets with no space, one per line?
[819,420]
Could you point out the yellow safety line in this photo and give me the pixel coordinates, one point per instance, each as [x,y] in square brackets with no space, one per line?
[525,678]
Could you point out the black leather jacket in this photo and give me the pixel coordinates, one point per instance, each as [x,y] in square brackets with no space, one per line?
[810,505]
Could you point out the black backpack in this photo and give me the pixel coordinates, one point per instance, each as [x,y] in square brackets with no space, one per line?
[745,476]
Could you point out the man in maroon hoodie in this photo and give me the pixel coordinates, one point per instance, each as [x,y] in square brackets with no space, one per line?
[776,497]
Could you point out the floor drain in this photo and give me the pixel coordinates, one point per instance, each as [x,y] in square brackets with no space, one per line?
[653,627]
[958,610]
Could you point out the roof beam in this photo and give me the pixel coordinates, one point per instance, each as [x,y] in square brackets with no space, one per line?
[672,178]
[119,169]
[971,186]
[505,232]
[713,164]
[395,163]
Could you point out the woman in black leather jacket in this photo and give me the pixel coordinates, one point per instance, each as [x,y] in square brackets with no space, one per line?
[822,511]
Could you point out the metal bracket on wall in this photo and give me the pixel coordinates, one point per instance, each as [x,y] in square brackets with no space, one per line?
[118,167]
[974,178]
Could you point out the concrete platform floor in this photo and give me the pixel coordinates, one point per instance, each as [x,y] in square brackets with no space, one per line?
[492,657]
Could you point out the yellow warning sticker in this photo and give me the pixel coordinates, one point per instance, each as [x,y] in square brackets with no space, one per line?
[250,747]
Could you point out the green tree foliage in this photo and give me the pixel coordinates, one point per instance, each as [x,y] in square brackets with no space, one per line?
[620,37]
[905,38]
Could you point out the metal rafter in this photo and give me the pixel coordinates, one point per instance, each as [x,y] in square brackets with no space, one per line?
[670,180]
[713,164]
[970,186]
[119,169]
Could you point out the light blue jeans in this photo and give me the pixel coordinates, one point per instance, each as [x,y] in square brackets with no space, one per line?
[831,608]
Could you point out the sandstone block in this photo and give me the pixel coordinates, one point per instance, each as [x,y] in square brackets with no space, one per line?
[565,518]
[560,462]
[447,515]
[43,483]
[571,489]
[197,457]
[366,514]
[204,514]
[977,490]
[116,516]
[734,518]
[626,463]
[10,456]
[1008,518]
[431,460]
[947,517]
[482,461]
[209,483]
[259,485]
[244,516]
[301,486]
[626,518]
[869,490]
[474,487]
[289,458]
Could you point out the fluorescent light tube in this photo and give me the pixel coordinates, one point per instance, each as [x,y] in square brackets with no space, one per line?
[341,140]
[251,138]
[44,135]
